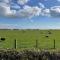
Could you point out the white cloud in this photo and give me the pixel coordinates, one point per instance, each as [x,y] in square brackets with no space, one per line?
[22,2]
[15,6]
[55,11]
[6,11]
[28,12]
[41,5]
[5,1]
[46,12]
[58,0]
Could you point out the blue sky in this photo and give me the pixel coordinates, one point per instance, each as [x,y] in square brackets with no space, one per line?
[30,14]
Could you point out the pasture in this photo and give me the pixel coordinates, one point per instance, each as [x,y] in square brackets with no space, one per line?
[27,38]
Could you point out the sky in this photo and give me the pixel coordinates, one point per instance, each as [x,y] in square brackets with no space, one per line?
[29,14]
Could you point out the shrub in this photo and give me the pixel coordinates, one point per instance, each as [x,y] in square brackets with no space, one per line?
[29,55]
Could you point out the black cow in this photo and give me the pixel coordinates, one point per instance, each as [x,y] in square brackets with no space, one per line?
[2,39]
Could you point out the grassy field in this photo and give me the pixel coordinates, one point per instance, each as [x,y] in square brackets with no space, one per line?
[27,38]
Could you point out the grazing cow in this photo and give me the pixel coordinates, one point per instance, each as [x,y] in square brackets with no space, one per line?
[49,32]
[47,36]
[2,39]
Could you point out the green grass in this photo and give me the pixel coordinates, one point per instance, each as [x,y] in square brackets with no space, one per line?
[27,38]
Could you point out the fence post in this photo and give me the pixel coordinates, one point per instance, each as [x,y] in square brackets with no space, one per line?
[54,44]
[36,43]
[15,44]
